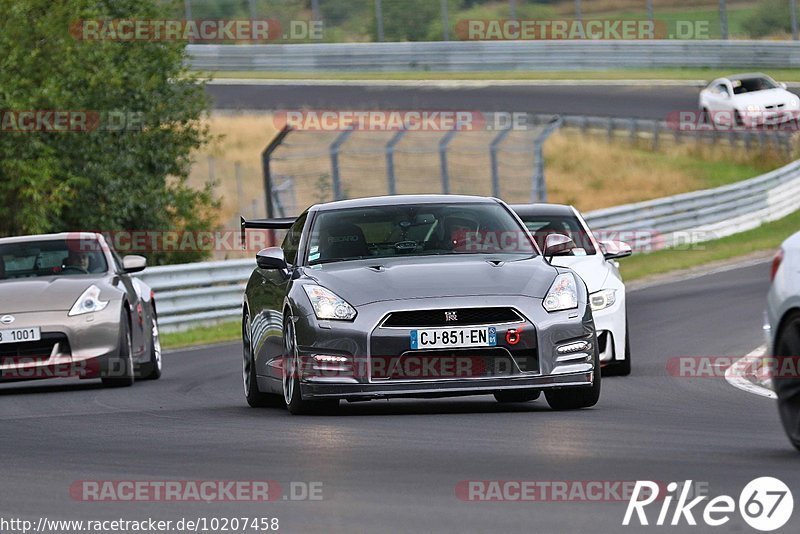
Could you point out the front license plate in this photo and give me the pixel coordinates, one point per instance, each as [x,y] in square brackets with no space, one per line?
[18,335]
[442,338]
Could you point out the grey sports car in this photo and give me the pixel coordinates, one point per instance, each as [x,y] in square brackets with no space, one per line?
[69,307]
[414,296]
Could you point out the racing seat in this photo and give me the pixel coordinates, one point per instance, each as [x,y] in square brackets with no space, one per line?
[342,241]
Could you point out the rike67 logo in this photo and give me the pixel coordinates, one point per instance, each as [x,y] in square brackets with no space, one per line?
[765,504]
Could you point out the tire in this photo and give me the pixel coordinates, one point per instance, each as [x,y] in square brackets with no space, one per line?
[255,398]
[621,368]
[577,397]
[118,371]
[292,394]
[152,370]
[517,395]
[787,344]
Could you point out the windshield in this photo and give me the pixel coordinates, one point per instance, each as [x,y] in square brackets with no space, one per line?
[415,230]
[749,85]
[62,257]
[542,226]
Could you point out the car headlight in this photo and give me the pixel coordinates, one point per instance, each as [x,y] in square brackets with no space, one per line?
[753,108]
[603,299]
[563,294]
[794,103]
[88,302]
[329,305]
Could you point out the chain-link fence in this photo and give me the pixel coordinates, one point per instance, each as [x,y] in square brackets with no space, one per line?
[431,20]
[326,166]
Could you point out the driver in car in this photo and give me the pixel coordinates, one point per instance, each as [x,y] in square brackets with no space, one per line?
[78,259]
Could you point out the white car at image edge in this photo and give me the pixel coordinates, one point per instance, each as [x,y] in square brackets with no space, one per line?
[595,262]
[748,100]
[782,328]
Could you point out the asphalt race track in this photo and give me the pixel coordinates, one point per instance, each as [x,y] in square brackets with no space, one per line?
[394,465]
[645,101]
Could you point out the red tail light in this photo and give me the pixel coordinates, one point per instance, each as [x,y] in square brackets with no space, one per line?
[776,263]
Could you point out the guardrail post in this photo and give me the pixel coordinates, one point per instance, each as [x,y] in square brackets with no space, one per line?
[538,186]
[632,131]
[334,149]
[445,22]
[266,156]
[656,128]
[445,172]
[723,19]
[610,127]
[793,14]
[379,20]
[493,156]
[390,160]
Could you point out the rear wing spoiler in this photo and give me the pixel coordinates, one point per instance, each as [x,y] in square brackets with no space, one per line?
[264,224]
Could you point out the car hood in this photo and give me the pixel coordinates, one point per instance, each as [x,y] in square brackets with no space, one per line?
[44,293]
[363,282]
[764,98]
[592,269]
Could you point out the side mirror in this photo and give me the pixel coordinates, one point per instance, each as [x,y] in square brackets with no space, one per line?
[557,245]
[271,258]
[133,263]
[783,85]
[614,250]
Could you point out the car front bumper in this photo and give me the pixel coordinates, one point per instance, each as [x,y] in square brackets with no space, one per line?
[536,362]
[71,346]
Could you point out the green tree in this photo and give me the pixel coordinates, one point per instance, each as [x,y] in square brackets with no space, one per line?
[104,180]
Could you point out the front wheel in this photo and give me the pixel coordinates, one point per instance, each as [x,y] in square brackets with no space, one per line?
[787,345]
[621,367]
[118,371]
[292,395]
[255,398]
[153,367]
[577,397]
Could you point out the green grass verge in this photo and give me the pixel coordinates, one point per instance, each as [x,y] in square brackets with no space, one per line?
[206,335]
[766,237]
[678,74]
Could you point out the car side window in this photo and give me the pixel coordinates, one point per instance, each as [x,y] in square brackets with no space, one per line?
[291,242]
[722,89]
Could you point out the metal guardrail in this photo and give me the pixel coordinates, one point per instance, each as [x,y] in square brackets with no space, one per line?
[495,55]
[200,293]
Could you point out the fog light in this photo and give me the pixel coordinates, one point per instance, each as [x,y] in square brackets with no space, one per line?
[578,346]
[324,358]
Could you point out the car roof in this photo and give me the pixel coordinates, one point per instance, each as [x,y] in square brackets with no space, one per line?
[542,209]
[47,237]
[747,75]
[393,200]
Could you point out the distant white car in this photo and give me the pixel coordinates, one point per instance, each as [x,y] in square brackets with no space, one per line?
[594,261]
[782,327]
[748,100]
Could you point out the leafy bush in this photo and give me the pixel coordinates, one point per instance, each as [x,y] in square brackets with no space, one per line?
[98,180]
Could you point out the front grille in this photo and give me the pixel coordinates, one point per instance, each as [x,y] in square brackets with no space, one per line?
[30,351]
[774,106]
[444,364]
[463,316]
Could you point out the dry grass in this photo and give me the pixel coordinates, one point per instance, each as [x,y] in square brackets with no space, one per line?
[588,171]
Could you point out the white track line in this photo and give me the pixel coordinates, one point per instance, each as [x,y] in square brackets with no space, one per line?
[735,376]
